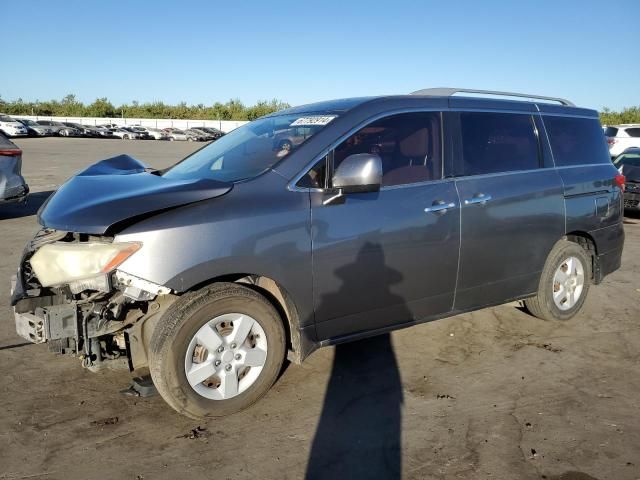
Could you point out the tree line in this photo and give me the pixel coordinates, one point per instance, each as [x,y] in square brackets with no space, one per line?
[234,109]
[627,115]
[70,106]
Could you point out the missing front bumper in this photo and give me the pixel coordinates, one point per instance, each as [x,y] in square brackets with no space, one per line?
[48,323]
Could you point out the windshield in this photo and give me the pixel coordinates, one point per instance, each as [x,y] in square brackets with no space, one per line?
[6,118]
[251,149]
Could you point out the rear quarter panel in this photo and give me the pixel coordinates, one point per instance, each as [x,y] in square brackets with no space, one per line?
[594,205]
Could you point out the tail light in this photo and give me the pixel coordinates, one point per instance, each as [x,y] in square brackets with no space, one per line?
[619,181]
[611,141]
[10,152]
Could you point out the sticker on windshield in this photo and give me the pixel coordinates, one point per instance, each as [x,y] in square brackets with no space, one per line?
[313,120]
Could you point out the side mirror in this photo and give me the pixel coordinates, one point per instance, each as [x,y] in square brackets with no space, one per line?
[358,173]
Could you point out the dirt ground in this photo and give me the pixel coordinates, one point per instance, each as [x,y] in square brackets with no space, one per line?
[492,394]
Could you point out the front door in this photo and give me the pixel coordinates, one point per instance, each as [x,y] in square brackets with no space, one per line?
[388,257]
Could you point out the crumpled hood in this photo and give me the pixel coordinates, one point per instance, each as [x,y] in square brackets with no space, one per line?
[119,189]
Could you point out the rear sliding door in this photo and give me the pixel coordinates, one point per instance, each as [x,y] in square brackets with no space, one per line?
[512,207]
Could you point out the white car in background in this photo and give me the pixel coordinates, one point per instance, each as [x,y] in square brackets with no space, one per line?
[11,127]
[156,133]
[621,137]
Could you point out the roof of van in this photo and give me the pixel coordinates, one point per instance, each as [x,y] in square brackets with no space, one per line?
[470,100]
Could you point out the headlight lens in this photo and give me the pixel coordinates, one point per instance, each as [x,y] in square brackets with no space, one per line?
[58,263]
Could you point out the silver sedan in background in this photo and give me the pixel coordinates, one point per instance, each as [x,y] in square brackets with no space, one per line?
[35,129]
[124,134]
[59,128]
[176,134]
[13,188]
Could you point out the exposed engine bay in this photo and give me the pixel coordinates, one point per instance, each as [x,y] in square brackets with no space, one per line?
[104,320]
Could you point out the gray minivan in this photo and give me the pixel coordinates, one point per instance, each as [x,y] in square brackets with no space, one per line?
[392,211]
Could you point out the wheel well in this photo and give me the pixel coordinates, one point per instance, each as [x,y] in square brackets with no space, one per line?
[278,297]
[587,242]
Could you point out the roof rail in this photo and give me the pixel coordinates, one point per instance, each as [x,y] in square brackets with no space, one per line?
[448,92]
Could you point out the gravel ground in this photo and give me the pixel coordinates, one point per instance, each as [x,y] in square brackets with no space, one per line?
[490,394]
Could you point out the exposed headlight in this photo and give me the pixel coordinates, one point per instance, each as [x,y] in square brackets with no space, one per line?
[60,262]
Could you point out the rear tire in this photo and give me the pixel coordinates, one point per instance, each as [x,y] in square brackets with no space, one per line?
[176,350]
[564,283]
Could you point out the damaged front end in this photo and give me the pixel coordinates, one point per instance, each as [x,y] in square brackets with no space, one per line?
[69,293]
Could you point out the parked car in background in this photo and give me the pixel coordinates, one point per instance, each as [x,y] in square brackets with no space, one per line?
[195,135]
[13,187]
[289,138]
[214,132]
[396,211]
[103,131]
[68,131]
[124,134]
[155,133]
[621,137]
[628,164]
[35,129]
[12,127]
[176,134]
[85,130]
[140,135]
[59,128]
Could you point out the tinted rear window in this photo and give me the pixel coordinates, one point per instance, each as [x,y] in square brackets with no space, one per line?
[498,142]
[611,132]
[576,141]
[633,132]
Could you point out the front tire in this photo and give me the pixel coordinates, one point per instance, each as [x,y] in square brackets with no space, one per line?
[217,350]
[564,283]
[285,145]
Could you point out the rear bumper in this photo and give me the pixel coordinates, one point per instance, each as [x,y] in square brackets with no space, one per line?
[607,263]
[14,195]
[609,243]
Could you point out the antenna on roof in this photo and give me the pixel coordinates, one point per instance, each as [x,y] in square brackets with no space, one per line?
[449,92]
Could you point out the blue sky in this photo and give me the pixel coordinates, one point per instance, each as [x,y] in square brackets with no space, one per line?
[303,51]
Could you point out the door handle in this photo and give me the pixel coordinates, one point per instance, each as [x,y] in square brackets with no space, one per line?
[439,206]
[479,198]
